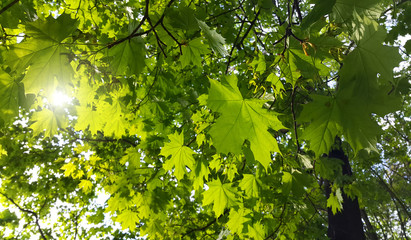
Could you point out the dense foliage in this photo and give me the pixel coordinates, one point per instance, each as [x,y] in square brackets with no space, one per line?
[202,119]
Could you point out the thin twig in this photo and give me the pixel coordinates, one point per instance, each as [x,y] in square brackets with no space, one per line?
[393,7]
[172,36]
[206,226]
[393,195]
[279,225]
[35,215]
[8,6]
[294,120]
[234,46]
[250,27]
[135,33]
[225,12]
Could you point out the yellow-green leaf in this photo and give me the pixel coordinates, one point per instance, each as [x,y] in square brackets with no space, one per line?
[220,195]
[250,185]
[181,156]
[86,185]
[44,52]
[69,169]
[128,219]
[48,121]
[241,119]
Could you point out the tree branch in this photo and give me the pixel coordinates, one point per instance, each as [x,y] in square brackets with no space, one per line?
[204,227]
[8,6]
[393,7]
[392,193]
[35,215]
[225,12]
[234,46]
[135,33]
[279,225]
[250,27]
[172,36]
[149,90]
[296,6]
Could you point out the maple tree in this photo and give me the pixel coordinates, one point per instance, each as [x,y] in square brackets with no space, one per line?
[239,119]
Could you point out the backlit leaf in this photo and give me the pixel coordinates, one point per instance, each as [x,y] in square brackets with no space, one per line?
[242,119]
[44,52]
[220,195]
[215,40]
[128,219]
[69,168]
[237,218]
[86,185]
[324,116]
[250,185]
[48,121]
[181,155]
[128,57]
[88,119]
[192,52]
[9,100]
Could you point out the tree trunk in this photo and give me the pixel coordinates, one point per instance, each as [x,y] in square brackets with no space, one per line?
[347,224]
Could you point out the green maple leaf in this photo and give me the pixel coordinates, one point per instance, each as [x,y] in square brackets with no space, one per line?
[359,129]
[321,8]
[115,126]
[68,168]
[360,92]
[309,66]
[344,10]
[330,117]
[335,201]
[9,100]
[154,228]
[215,40]
[48,121]
[128,57]
[133,157]
[87,118]
[277,85]
[241,119]
[220,195]
[181,155]
[370,57]
[44,53]
[250,185]
[324,116]
[237,218]
[256,231]
[182,18]
[200,172]
[192,51]
[289,69]
[112,113]
[116,203]
[86,185]
[260,63]
[128,219]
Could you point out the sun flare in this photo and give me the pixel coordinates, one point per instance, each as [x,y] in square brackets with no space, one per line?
[60,99]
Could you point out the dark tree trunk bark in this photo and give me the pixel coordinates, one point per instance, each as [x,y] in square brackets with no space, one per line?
[347,224]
